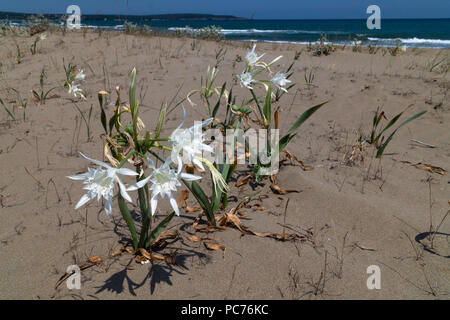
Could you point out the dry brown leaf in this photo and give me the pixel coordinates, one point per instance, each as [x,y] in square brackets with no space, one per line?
[145,253]
[214,246]
[241,213]
[293,159]
[430,168]
[183,197]
[243,181]
[278,190]
[95,259]
[156,256]
[163,237]
[140,259]
[194,238]
[258,207]
[193,209]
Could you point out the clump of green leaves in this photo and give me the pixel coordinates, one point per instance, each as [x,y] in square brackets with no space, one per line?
[321,47]
[377,137]
[42,95]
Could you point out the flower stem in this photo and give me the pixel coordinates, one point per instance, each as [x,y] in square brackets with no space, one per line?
[129,220]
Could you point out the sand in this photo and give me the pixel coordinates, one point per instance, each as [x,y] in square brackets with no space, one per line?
[356,219]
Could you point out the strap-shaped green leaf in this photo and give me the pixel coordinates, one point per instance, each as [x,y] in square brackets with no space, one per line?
[384,145]
[203,201]
[158,229]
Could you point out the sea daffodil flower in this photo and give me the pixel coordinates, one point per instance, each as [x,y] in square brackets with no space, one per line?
[100,183]
[163,180]
[252,59]
[280,80]
[246,79]
[80,75]
[189,143]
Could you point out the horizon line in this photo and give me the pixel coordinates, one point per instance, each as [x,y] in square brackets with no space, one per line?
[212,14]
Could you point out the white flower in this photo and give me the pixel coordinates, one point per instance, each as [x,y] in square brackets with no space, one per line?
[80,75]
[404,48]
[42,36]
[75,90]
[251,58]
[164,180]
[100,183]
[280,80]
[190,143]
[246,79]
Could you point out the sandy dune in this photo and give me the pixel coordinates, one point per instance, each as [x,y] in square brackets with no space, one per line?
[357,217]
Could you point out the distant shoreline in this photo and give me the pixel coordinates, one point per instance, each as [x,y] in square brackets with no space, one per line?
[177,16]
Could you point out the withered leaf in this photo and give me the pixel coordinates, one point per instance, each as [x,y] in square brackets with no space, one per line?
[194,238]
[95,259]
[278,190]
[193,209]
[214,246]
[430,168]
[293,159]
[183,197]
[243,181]
[145,253]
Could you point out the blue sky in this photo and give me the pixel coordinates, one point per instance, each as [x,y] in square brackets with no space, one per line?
[262,9]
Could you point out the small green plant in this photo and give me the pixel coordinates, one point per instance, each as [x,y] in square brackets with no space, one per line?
[377,138]
[220,56]
[87,120]
[439,60]
[33,47]
[356,45]
[309,77]
[22,103]
[42,95]
[297,54]
[372,49]
[395,51]
[321,47]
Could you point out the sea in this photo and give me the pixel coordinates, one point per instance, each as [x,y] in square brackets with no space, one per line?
[424,33]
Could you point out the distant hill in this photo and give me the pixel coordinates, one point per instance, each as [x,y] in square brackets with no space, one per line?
[175,16]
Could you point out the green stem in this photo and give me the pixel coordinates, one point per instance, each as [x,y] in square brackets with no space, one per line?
[129,220]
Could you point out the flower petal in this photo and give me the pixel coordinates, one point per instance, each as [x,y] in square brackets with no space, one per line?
[189,177]
[127,172]
[138,184]
[79,176]
[85,198]
[174,204]
[108,206]
[97,162]
[154,203]
[123,190]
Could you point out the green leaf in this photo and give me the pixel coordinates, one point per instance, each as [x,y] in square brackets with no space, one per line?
[7,110]
[216,107]
[304,116]
[384,145]
[103,114]
[162,115]
[158,229]
[203,201]
[268,107]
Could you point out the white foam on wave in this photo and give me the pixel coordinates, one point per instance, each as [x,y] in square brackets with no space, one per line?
[256,31]
[412,40]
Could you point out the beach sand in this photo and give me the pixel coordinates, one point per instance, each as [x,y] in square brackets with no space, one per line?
[354,219]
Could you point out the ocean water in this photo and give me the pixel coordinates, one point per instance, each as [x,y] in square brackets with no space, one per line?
[426,33]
